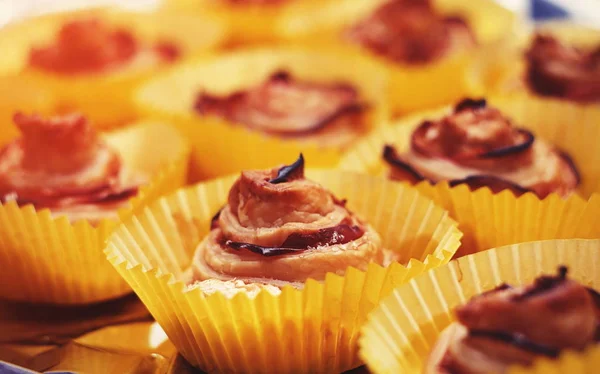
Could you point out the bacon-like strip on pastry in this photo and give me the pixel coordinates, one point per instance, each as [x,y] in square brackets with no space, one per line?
[60,163]
[89,46]
[280,228]
[560,70]
[412,32]
[509,326]
[478,146]
[286,107]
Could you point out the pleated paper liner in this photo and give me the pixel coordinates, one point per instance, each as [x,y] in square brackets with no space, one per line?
[587,362]
[402,330]
[313,330]
[50,260]
[507,66]
[172,96]
[105,97]
[412,87]
[573,129]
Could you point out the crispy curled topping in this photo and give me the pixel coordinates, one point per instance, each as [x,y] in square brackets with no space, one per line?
[478,146]
[557,69]
[284,106]
[90,46]
[411,31]
[60,162]
[515,325]
[278,226]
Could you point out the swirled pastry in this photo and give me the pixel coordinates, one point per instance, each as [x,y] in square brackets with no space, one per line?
[283,106]
[478,146]
[60,163]
[279,228]
[516,325]
[560,70]
[89,46]
[412,32]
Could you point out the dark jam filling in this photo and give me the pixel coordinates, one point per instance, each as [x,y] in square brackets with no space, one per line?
[297,242]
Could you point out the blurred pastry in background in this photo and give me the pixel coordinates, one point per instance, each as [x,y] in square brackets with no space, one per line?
[91,60]
[328,113]
[478,146]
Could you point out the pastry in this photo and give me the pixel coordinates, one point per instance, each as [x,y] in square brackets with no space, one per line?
[516,325]
[557,69]
[411,32]
[478,146]
[91,46]
[62,164]
[329,113]
[279,228]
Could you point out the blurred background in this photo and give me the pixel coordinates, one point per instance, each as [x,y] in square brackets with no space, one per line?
[582,11]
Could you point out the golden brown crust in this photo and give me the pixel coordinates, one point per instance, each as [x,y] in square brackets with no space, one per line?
[280,228]
[478,146]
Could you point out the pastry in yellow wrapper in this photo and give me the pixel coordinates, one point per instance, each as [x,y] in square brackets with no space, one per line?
[489,217]
[63,190]
[91,60]
[251,108]
[556,62]
[484,292]
[282,277]
[429,47]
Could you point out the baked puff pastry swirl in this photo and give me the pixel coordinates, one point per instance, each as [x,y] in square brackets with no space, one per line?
[478,146]
[280,228]
[62,164]
[516,325]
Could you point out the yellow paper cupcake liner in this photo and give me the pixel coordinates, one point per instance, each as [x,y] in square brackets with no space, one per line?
[172,96]
[105,98]
[402,330]
[50,260]
[312,330]
[505,67]
[411,87]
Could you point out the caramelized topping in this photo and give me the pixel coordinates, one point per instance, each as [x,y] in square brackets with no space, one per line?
[257,2]
[557,69]
[89,46]
[284,106]
[411,31]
